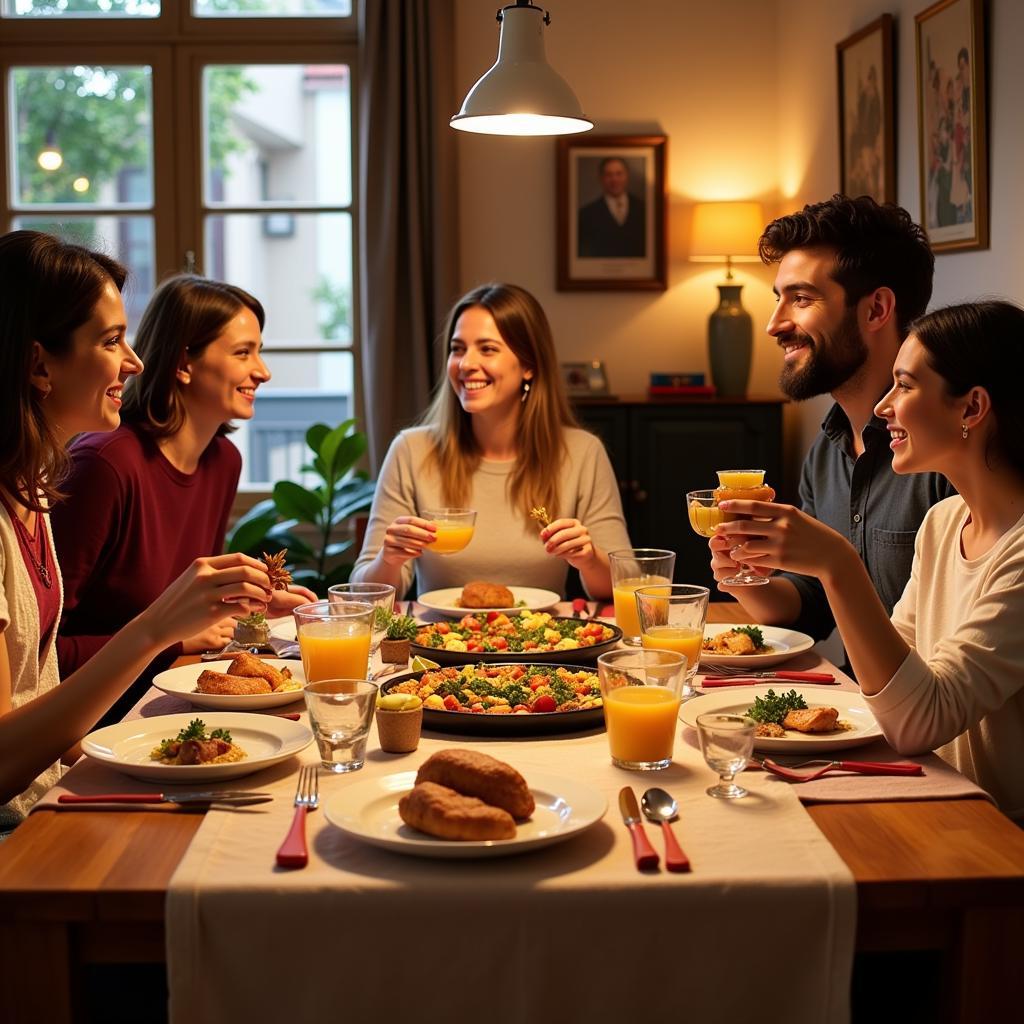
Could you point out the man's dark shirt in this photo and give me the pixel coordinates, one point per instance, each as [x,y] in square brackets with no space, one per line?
[877,510]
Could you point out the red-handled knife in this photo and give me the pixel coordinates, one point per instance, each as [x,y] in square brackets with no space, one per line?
[643,853]
[238,799]
[821,678]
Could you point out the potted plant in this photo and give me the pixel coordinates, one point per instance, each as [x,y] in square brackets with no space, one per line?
[324,509]
[394,648]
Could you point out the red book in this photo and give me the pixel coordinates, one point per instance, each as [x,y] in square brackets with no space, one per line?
[656,390]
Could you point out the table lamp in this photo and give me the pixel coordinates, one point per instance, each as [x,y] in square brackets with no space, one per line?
[728,232]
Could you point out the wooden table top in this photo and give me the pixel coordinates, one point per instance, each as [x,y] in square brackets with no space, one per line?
[115,866]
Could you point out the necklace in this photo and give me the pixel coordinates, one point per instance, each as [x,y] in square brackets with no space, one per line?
[39,564]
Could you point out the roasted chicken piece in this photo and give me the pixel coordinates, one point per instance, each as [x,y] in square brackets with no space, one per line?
[251,667]
[480,594]
[233,685]
[811,720]
[201,751]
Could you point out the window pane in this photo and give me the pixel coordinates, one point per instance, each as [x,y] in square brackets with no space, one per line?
[277,133]
[83,134]
[272,8]
[81,8]
[298,265]
[273,442]
[128,239]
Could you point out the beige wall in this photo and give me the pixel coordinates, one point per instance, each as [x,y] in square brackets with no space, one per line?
[746,93]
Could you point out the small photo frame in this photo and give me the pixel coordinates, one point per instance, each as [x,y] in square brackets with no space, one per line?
[952,144]
[867,122]
[611,213]
[585,380]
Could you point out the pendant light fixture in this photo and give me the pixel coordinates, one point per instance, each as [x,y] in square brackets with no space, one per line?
[521,94]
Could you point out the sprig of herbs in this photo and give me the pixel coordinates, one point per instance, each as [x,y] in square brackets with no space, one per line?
[773,707]
[402,627]
[755,634]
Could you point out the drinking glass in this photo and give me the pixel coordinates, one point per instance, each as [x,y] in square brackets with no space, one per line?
[633,568]
[454,528]
[380,595]
[340,713]
[705,515]
[334,638]
[726,741]
[641,691]
[672,619]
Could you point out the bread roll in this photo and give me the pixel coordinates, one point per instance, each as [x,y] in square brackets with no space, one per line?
[442,812]
[486,595]
[474,774]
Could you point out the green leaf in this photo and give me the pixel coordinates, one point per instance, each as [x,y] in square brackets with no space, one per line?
[345,510]
[251,530]
[337,548]
[316,434]
[295,501]
[298,549]
[348,453]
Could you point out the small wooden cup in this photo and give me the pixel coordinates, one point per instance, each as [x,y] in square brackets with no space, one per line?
[394,652]
[399,731]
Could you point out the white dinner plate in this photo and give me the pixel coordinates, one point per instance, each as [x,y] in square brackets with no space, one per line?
[526,598]
[851,706]
[783,644]
[265,739]
[181,682]
[368,811]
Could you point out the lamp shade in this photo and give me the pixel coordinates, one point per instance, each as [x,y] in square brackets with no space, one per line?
[521,94]
[726,230]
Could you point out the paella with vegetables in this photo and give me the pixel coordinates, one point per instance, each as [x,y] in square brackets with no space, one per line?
[529,633]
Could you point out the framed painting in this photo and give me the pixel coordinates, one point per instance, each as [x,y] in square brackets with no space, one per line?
[867,122]
[611,213]
[951,122]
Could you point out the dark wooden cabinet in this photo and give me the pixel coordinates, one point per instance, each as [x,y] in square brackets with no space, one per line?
[662,448]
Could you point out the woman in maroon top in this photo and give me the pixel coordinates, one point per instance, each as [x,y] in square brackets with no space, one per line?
[145,500]
[63,364]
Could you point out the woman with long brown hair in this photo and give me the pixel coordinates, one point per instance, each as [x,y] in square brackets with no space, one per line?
[64,360]
[146,499]
[499,437]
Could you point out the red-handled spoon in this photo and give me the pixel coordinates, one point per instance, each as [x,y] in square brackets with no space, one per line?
[662,807]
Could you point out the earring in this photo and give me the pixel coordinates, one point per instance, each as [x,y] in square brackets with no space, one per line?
[964,430]
[526,390]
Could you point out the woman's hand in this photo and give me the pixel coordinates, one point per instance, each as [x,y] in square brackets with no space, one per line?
[570,540]
[776,537]
[202,595]
[213,638]
[283,602]
[406,538]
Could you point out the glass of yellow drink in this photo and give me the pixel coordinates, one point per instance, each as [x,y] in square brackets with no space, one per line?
[334,638]
[744,485]
[633,568]
[672,619]
[454,528]
[641,692]
[380,595]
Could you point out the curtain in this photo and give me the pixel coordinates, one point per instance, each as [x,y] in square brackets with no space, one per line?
[408,195]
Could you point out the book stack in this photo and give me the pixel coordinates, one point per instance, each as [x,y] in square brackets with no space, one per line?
[667,385]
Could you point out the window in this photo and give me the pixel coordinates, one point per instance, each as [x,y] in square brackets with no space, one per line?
[218,139]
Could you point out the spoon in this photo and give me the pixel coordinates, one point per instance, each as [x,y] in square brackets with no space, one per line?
[661,807]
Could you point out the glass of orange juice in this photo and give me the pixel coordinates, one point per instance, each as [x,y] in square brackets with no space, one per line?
[672,619]
[334,638]
[454,528]
[641,692]
[633,568]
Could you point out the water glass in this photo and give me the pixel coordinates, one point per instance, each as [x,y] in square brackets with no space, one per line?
[454,528]
[672,619]
[726,741]
[641,691]
[633,568]
[380,595]
[340,713]
[334,638]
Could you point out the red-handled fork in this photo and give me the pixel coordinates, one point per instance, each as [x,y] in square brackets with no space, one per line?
[293,852]
[734,671]
[581,608]
[858,767]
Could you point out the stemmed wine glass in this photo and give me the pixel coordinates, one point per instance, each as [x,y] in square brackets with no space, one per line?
[726,741]
[705,516]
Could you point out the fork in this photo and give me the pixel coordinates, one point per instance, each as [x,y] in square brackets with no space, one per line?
[293,852]
[732,670]
[859,767]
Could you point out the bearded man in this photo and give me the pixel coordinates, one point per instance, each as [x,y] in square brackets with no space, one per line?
[852,276]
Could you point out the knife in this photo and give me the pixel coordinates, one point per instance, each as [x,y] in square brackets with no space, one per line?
[643,853]
[237,798]
[710,682]
[806,677]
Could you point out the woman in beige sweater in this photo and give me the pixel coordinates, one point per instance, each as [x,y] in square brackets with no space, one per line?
[64,359]
[500,438]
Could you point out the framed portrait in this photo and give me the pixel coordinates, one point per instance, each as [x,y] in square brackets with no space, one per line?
[951,117]
[584,380]
[611,213]
[867,122]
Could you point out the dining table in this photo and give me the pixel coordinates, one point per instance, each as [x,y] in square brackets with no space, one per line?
[942,876]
